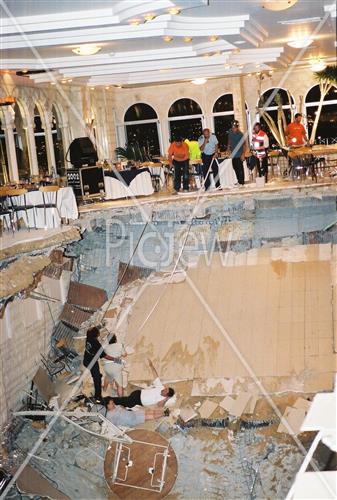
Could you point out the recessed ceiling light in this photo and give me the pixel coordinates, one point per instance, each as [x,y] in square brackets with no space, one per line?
[134,22]
[70,80]
[213,38]
[300,42]
[92,88]
[174,11]
[167,38]
[63,81]
[317,65]
[278,4]
[199,81]
[107,88]
[149,17]
[52,83]
[249,74]
[24,70]
[188,39]
[86,50]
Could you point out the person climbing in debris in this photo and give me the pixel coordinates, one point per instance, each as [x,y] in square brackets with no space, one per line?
[113,369]
[119,416]
[157,394]
[94,351]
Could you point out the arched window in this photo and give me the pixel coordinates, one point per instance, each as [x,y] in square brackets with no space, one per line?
[142,130]
[57,142]
[21,146]
[40,143]
[281,96]
[185,119]
[327,125]
[223,116]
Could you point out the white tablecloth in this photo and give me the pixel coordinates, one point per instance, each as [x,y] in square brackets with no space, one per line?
[227,174]
[140,186]
[66,208]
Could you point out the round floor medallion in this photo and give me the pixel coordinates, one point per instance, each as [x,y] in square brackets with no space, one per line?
[144,468]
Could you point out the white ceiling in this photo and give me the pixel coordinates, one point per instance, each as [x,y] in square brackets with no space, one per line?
[39,34]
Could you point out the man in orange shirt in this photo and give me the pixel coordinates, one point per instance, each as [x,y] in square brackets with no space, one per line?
[178,155]
[295,132]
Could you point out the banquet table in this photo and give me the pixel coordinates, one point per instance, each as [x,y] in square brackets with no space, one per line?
[128,183]
[66,208]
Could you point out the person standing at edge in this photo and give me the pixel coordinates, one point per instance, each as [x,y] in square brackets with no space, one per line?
[92,347]
[178,156]
[260,142]
[295,132]
[236,148]
[209,151]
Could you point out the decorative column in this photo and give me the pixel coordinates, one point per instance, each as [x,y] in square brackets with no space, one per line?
[28,127]
[7,121]
[239,104]
[46,121]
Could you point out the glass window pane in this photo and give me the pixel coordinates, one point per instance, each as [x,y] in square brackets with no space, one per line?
[314,94]
[187,129]
[184,107]
[224,103]
[280,94]
[146,137]
[327,125]
[222,125]
[41,151]
[140,111]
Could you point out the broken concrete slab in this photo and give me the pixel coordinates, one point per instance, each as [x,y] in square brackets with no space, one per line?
[294,418]
[187,413]
[207,408]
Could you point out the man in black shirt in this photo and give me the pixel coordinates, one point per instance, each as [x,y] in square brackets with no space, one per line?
[94,349]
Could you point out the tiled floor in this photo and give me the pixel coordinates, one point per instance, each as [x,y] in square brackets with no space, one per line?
[272,315]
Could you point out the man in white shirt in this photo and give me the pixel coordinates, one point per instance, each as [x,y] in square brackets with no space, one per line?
[157,394]
[209,148]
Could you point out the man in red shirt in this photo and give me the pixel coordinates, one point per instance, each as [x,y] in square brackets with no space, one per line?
[178,155]
[295,132]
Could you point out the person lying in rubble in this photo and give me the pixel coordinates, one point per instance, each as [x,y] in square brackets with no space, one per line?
[119,416]
[157,394]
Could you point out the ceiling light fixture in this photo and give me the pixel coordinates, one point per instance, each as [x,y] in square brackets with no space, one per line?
[300,42]
[317,65]
[86,50]
[52,83]
[134,22]
[174,11]
[167,39]
[199,81]
[149,17]
[63,81]
[277,5]
[213,38]
[92,88]
[107,88]
[188,39]
[70,80]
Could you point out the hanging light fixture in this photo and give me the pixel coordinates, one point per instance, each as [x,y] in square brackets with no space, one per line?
[277,5]
[300,42]
[317,65]
[199,81]
[86,50]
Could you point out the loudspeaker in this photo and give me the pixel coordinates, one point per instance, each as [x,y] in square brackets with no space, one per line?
[82,152]
[92,182]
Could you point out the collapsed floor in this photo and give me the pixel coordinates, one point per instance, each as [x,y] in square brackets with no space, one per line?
[283,262]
